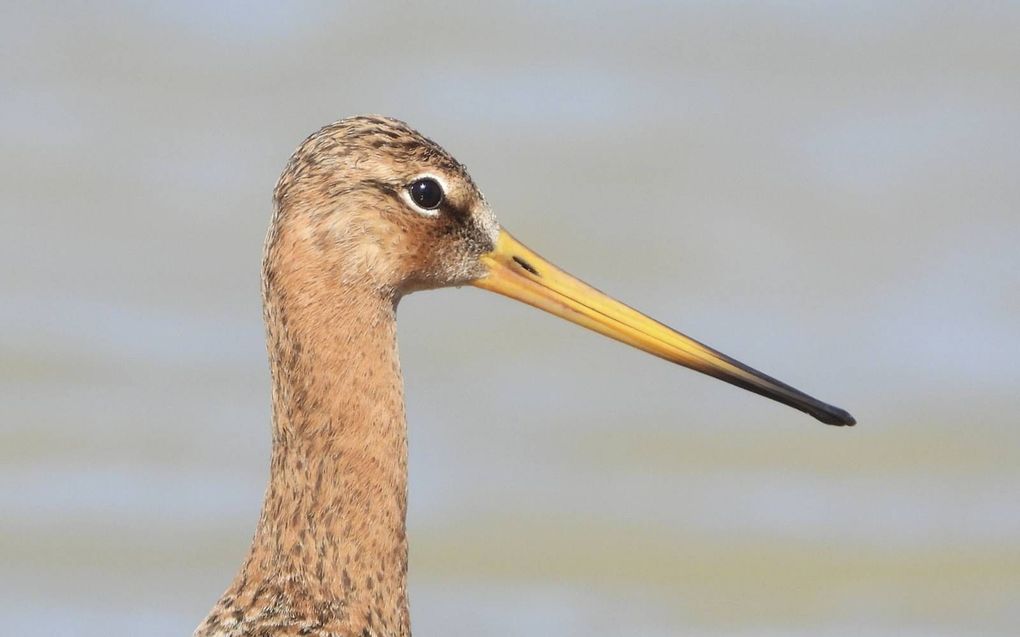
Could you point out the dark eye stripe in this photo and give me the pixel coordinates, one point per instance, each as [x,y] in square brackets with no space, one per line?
[426,193]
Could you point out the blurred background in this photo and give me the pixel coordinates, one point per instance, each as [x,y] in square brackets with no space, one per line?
[827,192]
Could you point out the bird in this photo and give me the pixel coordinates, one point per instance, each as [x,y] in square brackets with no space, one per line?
[368,210]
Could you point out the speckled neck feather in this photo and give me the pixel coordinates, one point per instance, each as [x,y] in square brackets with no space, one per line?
[329,556]
[347,240]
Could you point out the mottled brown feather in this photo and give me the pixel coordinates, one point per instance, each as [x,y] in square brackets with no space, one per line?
[329,555]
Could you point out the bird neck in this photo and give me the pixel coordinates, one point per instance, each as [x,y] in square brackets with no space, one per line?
[330,548]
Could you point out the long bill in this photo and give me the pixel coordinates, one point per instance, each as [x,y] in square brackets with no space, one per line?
[515,271]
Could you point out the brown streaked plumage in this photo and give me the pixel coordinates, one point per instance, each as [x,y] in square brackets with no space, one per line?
[346,242]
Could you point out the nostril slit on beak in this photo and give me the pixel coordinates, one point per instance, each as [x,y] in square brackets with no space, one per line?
[527,266]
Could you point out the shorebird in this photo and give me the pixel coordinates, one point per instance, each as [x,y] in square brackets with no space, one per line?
[368,210]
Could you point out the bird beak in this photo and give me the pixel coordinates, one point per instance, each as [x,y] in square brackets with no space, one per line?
[517,272]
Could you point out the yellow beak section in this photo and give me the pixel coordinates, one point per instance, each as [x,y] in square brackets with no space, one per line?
[519,273]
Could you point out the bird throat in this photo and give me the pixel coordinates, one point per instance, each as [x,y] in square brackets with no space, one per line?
[329,555]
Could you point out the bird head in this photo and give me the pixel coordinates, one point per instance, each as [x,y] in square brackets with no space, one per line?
[379,207]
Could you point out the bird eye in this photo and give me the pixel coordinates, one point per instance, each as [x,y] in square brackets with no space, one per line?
[426,192]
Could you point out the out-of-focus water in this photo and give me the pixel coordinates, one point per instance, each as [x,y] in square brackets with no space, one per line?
[829,193]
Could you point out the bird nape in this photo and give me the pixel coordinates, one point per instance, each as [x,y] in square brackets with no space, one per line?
[366,211]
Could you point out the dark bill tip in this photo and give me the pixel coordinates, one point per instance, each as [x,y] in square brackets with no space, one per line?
[769,387]
[833,416]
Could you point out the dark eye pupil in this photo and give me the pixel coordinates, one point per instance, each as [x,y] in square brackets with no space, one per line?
[427,193]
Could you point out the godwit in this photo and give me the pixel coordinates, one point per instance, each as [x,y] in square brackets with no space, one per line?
[366,211]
